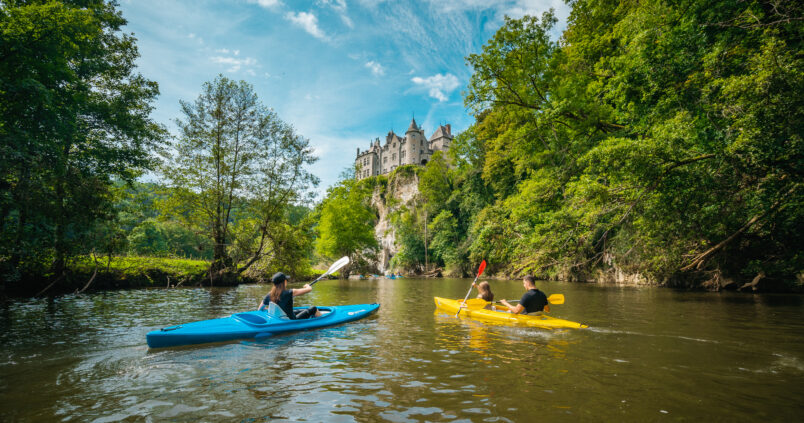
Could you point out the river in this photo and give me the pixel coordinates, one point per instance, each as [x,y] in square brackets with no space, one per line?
[650,354]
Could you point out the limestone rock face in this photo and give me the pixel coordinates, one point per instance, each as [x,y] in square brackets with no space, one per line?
[402,190]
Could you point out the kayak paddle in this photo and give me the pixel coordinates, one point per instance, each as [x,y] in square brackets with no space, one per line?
[553,299]
[335,266]
[479,272]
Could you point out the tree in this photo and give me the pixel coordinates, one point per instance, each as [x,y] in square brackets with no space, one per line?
[346,221]
[235,161]
[73,114]
[660,139]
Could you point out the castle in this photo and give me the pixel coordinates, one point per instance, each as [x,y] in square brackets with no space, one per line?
[414,148]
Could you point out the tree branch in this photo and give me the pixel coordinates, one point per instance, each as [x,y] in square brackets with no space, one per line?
[700,260]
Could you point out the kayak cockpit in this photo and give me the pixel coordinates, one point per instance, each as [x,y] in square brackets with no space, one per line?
[263,318]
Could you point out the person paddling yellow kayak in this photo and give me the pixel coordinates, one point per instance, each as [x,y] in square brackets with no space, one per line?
[533,301]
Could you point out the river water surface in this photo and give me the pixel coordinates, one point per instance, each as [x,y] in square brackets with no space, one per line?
[650,354]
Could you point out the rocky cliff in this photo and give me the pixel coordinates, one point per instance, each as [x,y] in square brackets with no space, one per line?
[401,190]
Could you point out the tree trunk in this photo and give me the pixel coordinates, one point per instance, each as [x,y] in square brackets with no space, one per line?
[59,242]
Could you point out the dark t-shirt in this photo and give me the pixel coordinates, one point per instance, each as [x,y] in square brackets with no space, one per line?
[285,302]
[533,301]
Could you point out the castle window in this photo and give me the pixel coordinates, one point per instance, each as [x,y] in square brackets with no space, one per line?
[403,154]
[393,156]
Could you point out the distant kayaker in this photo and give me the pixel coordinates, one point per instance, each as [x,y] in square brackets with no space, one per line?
[284,298]
[484,291]
[533,301]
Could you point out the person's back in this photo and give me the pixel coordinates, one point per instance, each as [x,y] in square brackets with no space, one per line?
[533,300]
[285,302]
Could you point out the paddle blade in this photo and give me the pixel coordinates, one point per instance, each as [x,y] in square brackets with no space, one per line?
[335,266]
[556,299]
[481,268]
[338,264]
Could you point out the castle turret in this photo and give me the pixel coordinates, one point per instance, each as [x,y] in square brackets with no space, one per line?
[415,144]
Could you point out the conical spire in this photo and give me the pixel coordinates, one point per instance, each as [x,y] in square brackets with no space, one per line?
[413,126]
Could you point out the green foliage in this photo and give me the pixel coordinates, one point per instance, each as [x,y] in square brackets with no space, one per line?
[404,171]
[135,272]
[409,236]
[659,139]
[346,223]
[74,115]
[167,239]
[235,171]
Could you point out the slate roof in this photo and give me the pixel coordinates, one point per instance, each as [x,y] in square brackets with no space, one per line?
[441,132]
[412,126]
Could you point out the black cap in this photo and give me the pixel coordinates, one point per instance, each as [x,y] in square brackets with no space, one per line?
[278,278]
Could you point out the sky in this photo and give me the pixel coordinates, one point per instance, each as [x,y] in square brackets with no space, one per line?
[342,72]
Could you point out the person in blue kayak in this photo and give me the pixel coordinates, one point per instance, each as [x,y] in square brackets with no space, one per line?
[533,301]
[284,298]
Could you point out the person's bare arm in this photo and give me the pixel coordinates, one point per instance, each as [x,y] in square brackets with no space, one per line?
[301,291]
[516,310]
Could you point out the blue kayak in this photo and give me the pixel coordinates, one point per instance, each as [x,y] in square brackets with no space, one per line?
[253,324]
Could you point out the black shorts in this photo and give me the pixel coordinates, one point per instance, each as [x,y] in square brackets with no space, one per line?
[306,314]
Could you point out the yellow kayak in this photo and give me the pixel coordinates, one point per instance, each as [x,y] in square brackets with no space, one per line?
[476,309]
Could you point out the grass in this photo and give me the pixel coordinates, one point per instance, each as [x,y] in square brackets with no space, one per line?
[136,271]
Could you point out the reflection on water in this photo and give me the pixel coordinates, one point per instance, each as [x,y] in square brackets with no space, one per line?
[649,354]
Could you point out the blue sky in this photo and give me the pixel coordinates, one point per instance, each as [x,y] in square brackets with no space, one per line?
[342,72]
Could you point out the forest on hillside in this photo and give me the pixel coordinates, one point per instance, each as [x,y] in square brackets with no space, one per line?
[661,140]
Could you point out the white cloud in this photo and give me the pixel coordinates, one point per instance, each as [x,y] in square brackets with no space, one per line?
[439,86]
[339,6]
[235,63]
[308,22]
[268,4]
[376,68]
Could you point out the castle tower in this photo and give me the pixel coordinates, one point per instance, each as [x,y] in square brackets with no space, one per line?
[415,144]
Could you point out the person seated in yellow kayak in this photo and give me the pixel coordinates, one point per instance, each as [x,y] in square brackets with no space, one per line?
[284,298]
[484,291]
[533,301]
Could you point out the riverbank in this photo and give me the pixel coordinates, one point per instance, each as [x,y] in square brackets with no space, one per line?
[85,274]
